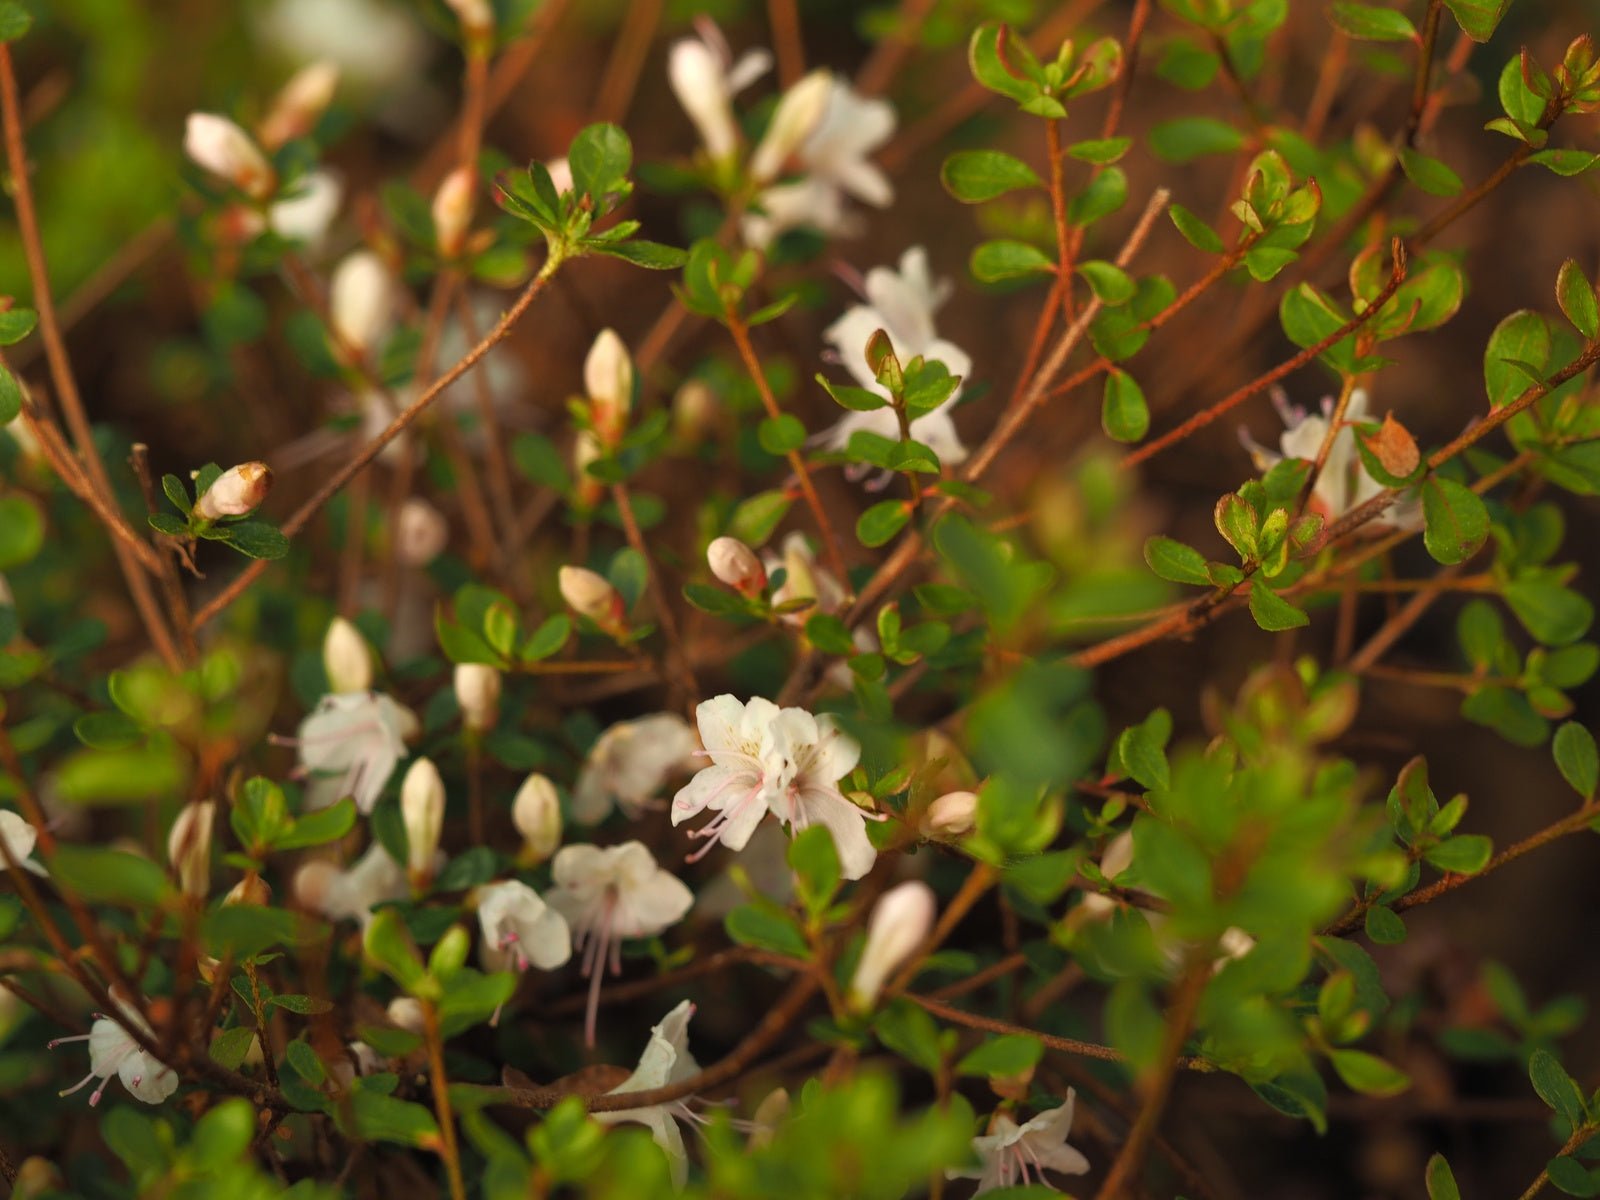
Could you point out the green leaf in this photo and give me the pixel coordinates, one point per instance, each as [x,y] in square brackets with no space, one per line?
[973,176]
[389,947]
[1455,520]
[1556,1088]
[230,1047]
[1576,297]
[1188,138]
[1175,561]
[16,324]
[1554,614]
[1143,754]
[781,434]
[246,930]
[814,858]
[1008,1056]
[382,1118]
[103,876]
[1195,231]
[537,458]
[911,1033]
[550,637]
[1107,192]
[1272,612]
[1384,926]
[1109,282]
[1441,1180]
[21,530]
[1572,1177]
[1369,22]
[1368,1073]
[15,21]
[766,927]
[1465,854]
[1004,259]
[1523,337]
[10,397]
[256,539]
[1100,151]
[306,1006]
[600,157]
[755,519]
[653,256]
[882,521]
[1477,19]
[1429,174]
[318,828]
[987,57]
[1124,415]
[1565,161]
[1576,758]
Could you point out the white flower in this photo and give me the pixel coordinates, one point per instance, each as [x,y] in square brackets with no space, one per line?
[900,921]
[346,660]
[361,300]
[237,491]
[421,532]
[189,847]
[665,1060]
[705,78]
[610,894]
[229,153]
[452,210]
[799,112]
[902,304]
[1344,483]
[422,810]
[374,43]
[536,812]
[114,1052]
[350,745]
[350,895]
[783,761]
[477,688]
[833,164]
[20,836]
[520,930]
[307,215]
[1014,1154]
[629,763]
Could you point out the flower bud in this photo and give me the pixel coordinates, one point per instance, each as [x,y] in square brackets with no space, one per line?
[346,659]
[560,174]
[536,812]
[299,103]
[736,565]
[951,815]
[699,81]
[422,810]
[450,952]
[361,301]
[900,921]
[797,115]
[591,595]
[476,17]
[608,379]
[421,532]
[221,147]
[307,215]
[694,412]
[406,1013]
[452,210]
[478,695]
[586,449]
[238,490]
[251,890]
[189,848]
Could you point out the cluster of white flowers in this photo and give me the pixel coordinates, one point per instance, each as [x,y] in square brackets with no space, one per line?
[783,761]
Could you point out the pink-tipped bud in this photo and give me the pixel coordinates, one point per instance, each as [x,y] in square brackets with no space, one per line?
[238,490]
[478,695]
[346,660]
[421,533]
[189,848]
[608,379]
[422,811]
[951,815]
[591,595]
[797,115]
[452,210]
[900,922]
[300,103]
[736,565]
[361,300]
[221,147]
[536,812]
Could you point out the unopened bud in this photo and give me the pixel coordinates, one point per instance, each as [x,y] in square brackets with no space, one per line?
[221,147]
[251,890]
[478,695]
[422,810]
[346,659]
[476,17]
[536,812]
[452,210]
[238,490]
[951,815]
[189,848]
[300,103]
[450,952]
[608,379]
[591,595]
[361,300]
[586,449]
[407,1014]
[560,174]
[694,412]
[900,922]
[736,565]
[699,81]
[797,115]
[421,532]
